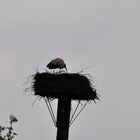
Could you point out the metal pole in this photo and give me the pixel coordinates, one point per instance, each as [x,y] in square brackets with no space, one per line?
[63,118]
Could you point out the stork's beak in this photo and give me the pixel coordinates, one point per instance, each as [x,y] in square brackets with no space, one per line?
[65,67]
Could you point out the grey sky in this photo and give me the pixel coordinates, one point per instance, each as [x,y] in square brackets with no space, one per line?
[83,32]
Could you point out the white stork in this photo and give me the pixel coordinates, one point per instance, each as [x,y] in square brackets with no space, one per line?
[57,63]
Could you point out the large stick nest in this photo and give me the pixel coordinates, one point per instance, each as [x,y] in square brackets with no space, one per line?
[64,85]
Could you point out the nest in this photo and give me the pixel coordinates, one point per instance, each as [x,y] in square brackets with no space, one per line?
[64,85]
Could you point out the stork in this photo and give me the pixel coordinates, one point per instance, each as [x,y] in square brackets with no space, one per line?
[57,63]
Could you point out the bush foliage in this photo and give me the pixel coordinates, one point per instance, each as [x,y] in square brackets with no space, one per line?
[7,133]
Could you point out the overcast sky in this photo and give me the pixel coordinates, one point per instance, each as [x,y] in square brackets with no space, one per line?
[102,33]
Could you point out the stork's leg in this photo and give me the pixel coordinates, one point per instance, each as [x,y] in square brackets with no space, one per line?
[60,71]
[53,71]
